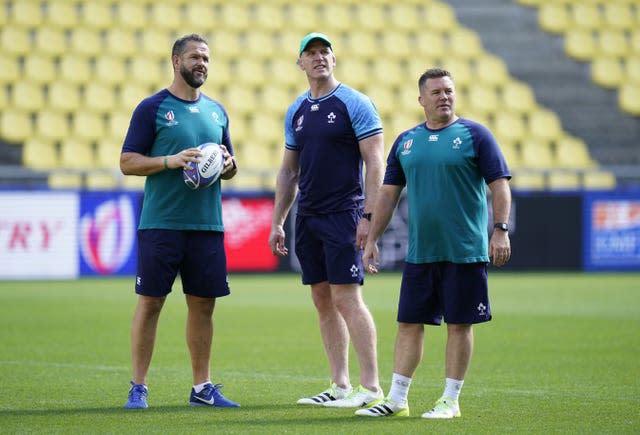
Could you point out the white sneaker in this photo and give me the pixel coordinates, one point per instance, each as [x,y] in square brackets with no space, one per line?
[331,394]
[357,399]
[444,408]
[386,408]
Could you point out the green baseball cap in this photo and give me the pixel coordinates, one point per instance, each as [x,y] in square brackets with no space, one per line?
[313,36]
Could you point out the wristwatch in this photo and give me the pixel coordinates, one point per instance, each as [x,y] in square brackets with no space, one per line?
[501,226]
[367,216]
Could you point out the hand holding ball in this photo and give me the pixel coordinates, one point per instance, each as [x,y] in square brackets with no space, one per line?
[207,171]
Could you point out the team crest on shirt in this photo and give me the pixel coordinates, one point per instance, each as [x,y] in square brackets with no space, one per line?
[331,118]
[215,117]
[456,143]
[406,147]
[315,107]
[171,118]
[299,123]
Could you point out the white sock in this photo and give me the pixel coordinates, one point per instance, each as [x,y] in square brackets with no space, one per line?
[200,387]
[399,390]
[452,388]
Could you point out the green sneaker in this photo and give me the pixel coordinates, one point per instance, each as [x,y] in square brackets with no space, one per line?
[358,398]
[444,408]
[329,395]
[386,408]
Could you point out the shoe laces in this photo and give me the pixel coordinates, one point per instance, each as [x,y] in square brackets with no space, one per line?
[138,391]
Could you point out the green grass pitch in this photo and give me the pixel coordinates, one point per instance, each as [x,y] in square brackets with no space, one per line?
[560,356]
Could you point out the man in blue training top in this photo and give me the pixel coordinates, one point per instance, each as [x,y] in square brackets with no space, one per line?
[330,130]
[180,229]
[445,164]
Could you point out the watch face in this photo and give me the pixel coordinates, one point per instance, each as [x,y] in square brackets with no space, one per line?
[501,226]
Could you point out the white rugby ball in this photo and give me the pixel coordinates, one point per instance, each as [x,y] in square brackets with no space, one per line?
[208,170]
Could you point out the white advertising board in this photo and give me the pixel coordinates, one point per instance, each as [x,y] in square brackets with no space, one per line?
[38,235]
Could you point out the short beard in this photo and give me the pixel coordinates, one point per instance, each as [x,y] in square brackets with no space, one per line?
[189,77]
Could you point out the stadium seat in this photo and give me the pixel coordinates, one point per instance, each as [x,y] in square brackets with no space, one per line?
[131,15]
[553,17]
[85,41]
[259,43]
[165,15]
[544,124]
[14,40]
[39,154]
[483,99]
[585,15]
[464,43]
[157,43]
[65,180]
[109,69]
[384,99]
[510,154]
[226,44]
[388,71]
[75,154]
[579,44]
[108,153]
[62,14]
[572,152]
[275,99]
[101,180]
[619,15]
[234,17]
[563,180]
[87,126]
[52,125]
[39,68]
[130,94]
[145,70]
[632,69]
[405,17]
[74,68]
[120,42]
[15,125]
[439,16]
[265,131]
[396,45]
[629,98]
[269,16]
[370,17]
[352,70]
[238,100]
[429,44]
[536,154]
[96,15]
[607,71]
[27,13]
[339,15]
[528,180]
[517,96]
[9,69]
[27,96]
[63,96]
[491,70]
[199,16]
[300,15]
[509,126]
[50,41]
[360,44]
[460,70]
[612,42]
[117,125]
[99,97]
[134,183]
[598,180]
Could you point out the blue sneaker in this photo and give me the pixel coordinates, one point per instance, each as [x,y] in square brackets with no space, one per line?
[211,396]
[137,397]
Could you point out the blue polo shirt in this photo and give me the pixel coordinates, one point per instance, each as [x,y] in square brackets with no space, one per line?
[325,132]
[163,124]
[446,172]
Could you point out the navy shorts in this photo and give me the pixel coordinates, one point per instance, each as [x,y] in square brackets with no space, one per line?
[457,292]
[198,256]
[326,248]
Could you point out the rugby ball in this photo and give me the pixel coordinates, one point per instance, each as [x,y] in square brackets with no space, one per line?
[207,171]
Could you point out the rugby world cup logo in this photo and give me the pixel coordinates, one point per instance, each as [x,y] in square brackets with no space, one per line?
[107,236]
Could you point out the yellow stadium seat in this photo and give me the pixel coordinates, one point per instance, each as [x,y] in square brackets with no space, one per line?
[63,96]
[351,70]
[101,180]
[62,14]
[369,16]
[396,45]
[598,180]
[165,15]
[52,124]
[74,68]
[97,15]
[199,16]
[259,43]
[50,41]
[528,180]
[464,43]
[234,16]
[133,182]
[544,124]
[430,44]
[491,70]
[9,69]
[130,94]
[225,44]
[607,71]
[4,98]
[248,70]
[40,154]
[586,15]
[405,17]
[283,71]
[439,16]
[509,126]
[572,152]
[275,99]
[87,126]
[118,125]
[99,97]
[157,43]
[131,14]
[632,69]
[269,16]
[239,101]
[384,99]
[388,71]
[76,154]
[108,153]
[579,44]
[612,42]
[39,69]
[460,70]
[299,15]
[553,17]
[110,69]
[563,180]
[536,154]
[517,96]
[27,13]
[15,125]
[145,70]
[483,99]
[85,41]
[120,42]
[265,129]
[629,98]
[339,15]
[510,154]
[14,40]
[619,15]
[27,96]
[361,44]
[65,180]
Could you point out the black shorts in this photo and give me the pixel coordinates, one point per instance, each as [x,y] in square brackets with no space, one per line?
[457,292]
[198,256]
